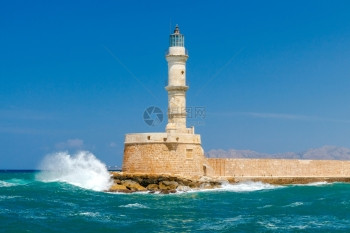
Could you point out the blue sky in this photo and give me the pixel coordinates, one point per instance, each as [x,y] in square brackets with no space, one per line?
[273,76]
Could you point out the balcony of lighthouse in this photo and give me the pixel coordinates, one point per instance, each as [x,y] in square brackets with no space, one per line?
[164,138]
[174,51]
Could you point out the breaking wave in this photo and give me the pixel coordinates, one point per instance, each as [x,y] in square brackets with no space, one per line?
[315,184]
[82,169]
[248,186]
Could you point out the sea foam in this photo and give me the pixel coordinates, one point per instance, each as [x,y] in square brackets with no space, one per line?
[82,169]
[6,184]
[248,186]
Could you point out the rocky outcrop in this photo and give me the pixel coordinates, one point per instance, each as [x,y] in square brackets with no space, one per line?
[164,184]
[119,188]
[168,185]
[132,185]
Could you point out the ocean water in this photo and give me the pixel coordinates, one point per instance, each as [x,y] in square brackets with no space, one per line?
[57,201]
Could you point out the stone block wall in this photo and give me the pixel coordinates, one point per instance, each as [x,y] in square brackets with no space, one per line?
[183,159]
[277,168]
[182,155]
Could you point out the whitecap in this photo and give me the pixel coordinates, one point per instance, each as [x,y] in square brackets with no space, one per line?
[248,186]
[16,181]
[321,183]
[8,197]
[294,204]
[89,214]
[6,184]
[265,206]
[135,206]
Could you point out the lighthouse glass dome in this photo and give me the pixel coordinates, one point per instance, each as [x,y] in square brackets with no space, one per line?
[177,39]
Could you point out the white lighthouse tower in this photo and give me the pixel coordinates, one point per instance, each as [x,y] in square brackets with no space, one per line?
[177,57]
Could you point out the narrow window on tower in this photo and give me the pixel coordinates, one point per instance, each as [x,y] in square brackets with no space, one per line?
[189,153]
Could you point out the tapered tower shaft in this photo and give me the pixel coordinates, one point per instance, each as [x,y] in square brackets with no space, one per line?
[177,57]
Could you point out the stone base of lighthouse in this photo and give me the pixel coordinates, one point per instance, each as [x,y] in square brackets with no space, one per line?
[164,153]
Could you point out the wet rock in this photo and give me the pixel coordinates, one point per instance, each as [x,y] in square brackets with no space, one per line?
[117,181]
[204,179]
[117,188]
[193,184]
[164,191]
[205,186]
[125,191]
[132,185]
[168,185]
[183,188]
[152,187]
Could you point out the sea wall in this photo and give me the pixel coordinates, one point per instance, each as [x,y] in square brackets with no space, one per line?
[276,168]
[182,155]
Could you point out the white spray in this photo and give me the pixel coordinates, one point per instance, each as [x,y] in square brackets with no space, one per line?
[82,169]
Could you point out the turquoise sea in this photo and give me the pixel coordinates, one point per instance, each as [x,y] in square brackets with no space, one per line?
[28,204]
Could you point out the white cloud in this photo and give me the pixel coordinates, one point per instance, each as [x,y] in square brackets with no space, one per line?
[112,144]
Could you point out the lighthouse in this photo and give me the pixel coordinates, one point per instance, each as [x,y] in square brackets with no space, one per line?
[178,150]
[176,57]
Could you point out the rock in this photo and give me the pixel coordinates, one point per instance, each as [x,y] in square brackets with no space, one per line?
[185,182]
[126,191]
[210,185]
[117,181]
[134,182]
[204,179]
[168,185]
[194,184]
[132,185]
[118,188]
[152,187]
[183,188]
[164,191]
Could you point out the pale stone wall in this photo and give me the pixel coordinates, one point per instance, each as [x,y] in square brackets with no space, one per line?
[162,138]
[160,158]
[182,155]
[162,153]
[277,168]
